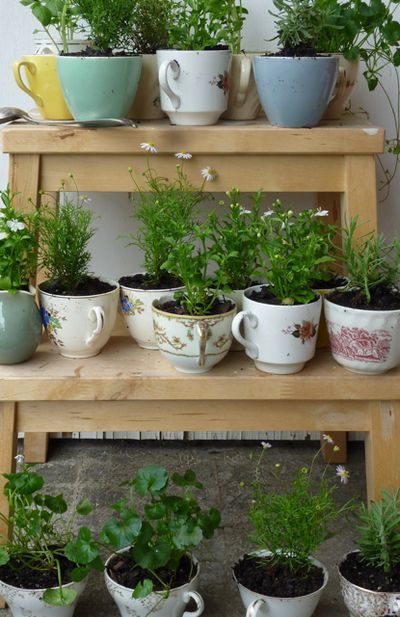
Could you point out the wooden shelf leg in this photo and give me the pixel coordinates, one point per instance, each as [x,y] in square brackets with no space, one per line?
[8,445]
[35,447]
[360,195]
[382,451]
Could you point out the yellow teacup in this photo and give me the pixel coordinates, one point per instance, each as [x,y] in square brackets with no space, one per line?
[44,86]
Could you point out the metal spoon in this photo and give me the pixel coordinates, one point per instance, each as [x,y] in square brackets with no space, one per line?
[9,114]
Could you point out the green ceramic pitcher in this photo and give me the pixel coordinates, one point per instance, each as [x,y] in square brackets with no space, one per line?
[20,326]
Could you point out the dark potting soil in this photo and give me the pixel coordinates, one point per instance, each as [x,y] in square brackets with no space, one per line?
[332,283]
[123,570]
[358,572]
[260,575]
[264,296]
[144,281]
[382,299]
[15,573]
[299,51]
[91,286]
[99,53]
[219,307]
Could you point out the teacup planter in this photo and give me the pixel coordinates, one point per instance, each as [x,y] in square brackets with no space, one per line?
[79,326]
[243,101]
[279,338]
[258,604]
[323,288]
[23,602]
[194,85]
[155,603]
[361,340]
[193,344]
[345,82]
[110,84]
[20,326]
[136,299]
[295,91]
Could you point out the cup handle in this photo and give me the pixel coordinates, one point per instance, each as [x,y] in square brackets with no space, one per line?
[202,330]
[96,314]
[253,608]
[44,50]
[252,349]
[31,67]
[164,83]
[245,72]
[199,603]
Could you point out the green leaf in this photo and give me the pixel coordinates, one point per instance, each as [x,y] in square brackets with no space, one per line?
[25,482]
[84,507]
[155,511]
[4,556]
[150,479]
[152,556]
[122,533]
[59,596]
[42,14]
[188,479]
[143,589]
[55,504]
[78,574]
[82,550]
[188,536]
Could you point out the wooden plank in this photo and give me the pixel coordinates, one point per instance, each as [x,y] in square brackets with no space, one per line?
[354,136]
[360,192]
[382,452]
[192,415]
[272,173]
[23,177]
[35,447]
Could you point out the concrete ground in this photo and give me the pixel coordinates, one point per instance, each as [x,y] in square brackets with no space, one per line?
[95,469]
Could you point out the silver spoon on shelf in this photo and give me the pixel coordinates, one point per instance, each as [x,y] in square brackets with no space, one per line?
[9,114]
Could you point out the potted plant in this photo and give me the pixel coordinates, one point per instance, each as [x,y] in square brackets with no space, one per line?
[281,318]
[194,71]
[20,325]
[151,22]
[59,21]
[43,562]
[295,84]
[193,326]
[363,319]
[236,239]
[369,576]
[78,310]
[282,578]
[108,68]
[165,209]
[153,533]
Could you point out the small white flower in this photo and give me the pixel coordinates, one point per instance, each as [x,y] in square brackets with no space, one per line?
[327,438]
[15,225]
[2,206]
[19,458]
[267,213]
[343,474]
[266,444]
[149,147]
[2,215]
[244,211]
[320,212]
[209,173]
[183,155]
[3,235]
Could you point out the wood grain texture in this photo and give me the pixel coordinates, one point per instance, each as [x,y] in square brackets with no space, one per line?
[8,444]
[35,447]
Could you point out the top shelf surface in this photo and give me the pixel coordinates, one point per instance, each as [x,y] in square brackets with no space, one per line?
[350,135]
[124,371]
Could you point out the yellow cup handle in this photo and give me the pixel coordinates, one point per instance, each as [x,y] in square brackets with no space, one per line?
[31,67]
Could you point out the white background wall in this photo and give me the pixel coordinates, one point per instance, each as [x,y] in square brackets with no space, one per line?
[110,257]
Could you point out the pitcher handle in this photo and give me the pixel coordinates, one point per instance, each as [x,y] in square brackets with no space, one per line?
[245,72]
[253,608]
[164,83]
[96,314]
[252,349]
[18,78]
[188,595]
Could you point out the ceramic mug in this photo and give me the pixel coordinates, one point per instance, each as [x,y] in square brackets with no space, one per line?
[194,85]
[43,85]
[243,102]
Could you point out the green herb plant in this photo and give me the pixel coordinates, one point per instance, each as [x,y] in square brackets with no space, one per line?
[293,523]
[236,241]
[18,244]
[370,262]
[151,25]
[204,24]
[41,534]
[166,210]
[160,521]
[110,24]
[296,251]
[59,15]
[378,529]
[65,232]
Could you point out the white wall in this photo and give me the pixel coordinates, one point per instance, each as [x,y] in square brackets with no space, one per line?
[110,257]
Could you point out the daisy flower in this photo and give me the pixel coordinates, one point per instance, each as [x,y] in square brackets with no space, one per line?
[19,458]
[244,211]
[266,444]
[343,474]
[209,173]
[267,213]
[15,225]
[3,235]
[320,212]
[2,215]
[148,147]
[183,155]
[327,438]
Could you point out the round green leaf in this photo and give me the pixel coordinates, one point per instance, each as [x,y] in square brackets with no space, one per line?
[150,479]
[143,589]
[84,507]
[121,533]
[59,596]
